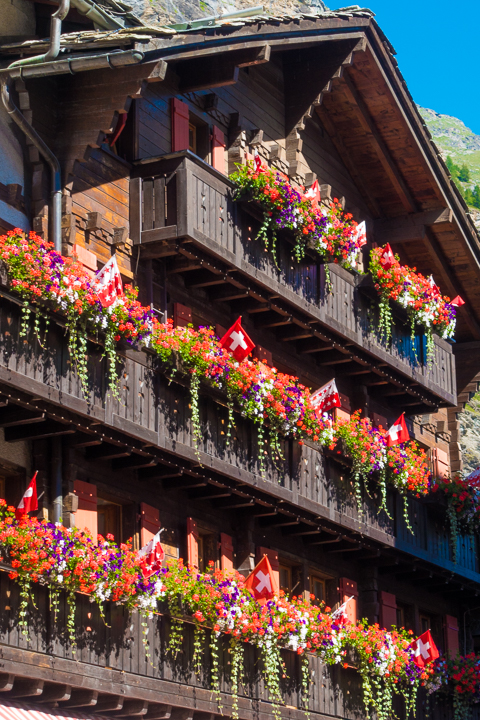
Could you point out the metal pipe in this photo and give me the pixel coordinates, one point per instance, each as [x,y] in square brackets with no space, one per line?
[73,65]
[98,16]
[44,150]
[55,34]
[57,479]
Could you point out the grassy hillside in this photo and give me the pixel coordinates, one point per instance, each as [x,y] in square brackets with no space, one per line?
[460,148]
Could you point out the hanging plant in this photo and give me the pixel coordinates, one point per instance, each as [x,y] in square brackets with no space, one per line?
[463,505]
[324,228]
[425,305]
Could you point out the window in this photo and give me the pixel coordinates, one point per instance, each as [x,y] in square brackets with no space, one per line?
[285,578]
[109,519]
[425,623]
[192,138]
[207,550]
[317,588]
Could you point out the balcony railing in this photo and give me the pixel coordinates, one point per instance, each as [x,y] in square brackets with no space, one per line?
[110,656]
[181,197]
[157,413]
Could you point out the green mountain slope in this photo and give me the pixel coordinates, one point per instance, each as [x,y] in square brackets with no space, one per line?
[460,148]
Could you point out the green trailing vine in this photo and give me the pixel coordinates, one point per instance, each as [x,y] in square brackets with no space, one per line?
[215,667]
[237,649]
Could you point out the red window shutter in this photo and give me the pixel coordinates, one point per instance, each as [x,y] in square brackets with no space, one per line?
[226,551]
[343,412]
[388,610]
[182,315]
[192,542]
[86,515]
[218,149]
[273,557]
[451,635]
[149,522]
[179,125]
[440,467]
[348,589]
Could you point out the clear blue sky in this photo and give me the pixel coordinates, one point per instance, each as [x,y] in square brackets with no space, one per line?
[437,44]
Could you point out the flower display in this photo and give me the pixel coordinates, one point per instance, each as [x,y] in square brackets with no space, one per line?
[459,679]
[326,228]
[463,504]
[421,298]
[217,601]
[276,402]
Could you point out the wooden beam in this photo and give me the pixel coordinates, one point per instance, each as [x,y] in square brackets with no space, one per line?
[357,177]
[12,415]
[134,462]
[38,431]
[206,73]
[158,712]
[55,693]
[106,451]
[6,682]
[109,702]
[81,698]
[410,227]
[160,472]
[388,164]
[132,708]
[26,687]
[234,503]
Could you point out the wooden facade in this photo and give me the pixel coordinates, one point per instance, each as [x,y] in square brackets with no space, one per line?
[318,97]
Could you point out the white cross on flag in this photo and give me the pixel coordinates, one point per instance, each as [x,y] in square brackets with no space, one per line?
[387,258]
[107,283]
[361,234]
[237,341]
[424,649]
[151,556]
[29,500]
[313,193]
[261,582]
[398,433]
[341,612]
[326,397]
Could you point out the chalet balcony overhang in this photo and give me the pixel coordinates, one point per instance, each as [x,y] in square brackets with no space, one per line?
[147,430]
[182,210]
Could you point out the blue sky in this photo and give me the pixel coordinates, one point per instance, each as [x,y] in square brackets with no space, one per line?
[437,51]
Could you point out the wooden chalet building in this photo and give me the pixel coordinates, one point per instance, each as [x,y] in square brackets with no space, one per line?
[144,125]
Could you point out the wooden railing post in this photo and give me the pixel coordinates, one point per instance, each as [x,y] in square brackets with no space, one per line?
[136,210]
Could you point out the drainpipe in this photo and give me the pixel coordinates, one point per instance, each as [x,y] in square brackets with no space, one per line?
[55,34]
[45,151]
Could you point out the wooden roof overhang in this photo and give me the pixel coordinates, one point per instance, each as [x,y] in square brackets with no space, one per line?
[352,83]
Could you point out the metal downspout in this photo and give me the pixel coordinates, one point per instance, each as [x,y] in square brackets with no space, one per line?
[45,151]
[55,34]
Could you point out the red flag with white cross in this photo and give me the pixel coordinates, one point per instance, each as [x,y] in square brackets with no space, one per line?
[424,649]
[313,193]
[360,235]
[387,258]
[398,433]
[108,283]
[262,582]
[29,501]
[237,341]
[151,556]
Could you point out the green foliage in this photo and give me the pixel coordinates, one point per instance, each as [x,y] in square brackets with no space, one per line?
[461,174]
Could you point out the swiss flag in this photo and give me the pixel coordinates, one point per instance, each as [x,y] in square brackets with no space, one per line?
[326,397]
[107,283]
[151,556]
[457,301]
[387,258]
[257,160]
[361,234]
[398,433]
[424,649]
[237,341]
[434,286]
[313,193]
[262,581]
[29,500]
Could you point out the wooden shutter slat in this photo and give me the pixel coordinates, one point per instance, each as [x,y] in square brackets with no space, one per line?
[192,542]
[226,551]
[348,588]
[218,149]
[149,522]
[86,516]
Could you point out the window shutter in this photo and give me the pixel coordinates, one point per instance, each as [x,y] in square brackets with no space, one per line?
[182,315]
[218,149]
[179,125]
[86,515]
[192,542]
[149,523]
[273,557]
[348,588]
[451,635]
[226,552]
[388,610]
[440,468]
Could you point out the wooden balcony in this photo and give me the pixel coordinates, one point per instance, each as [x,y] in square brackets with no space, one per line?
[182,209]
[110,674]
[305,496]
